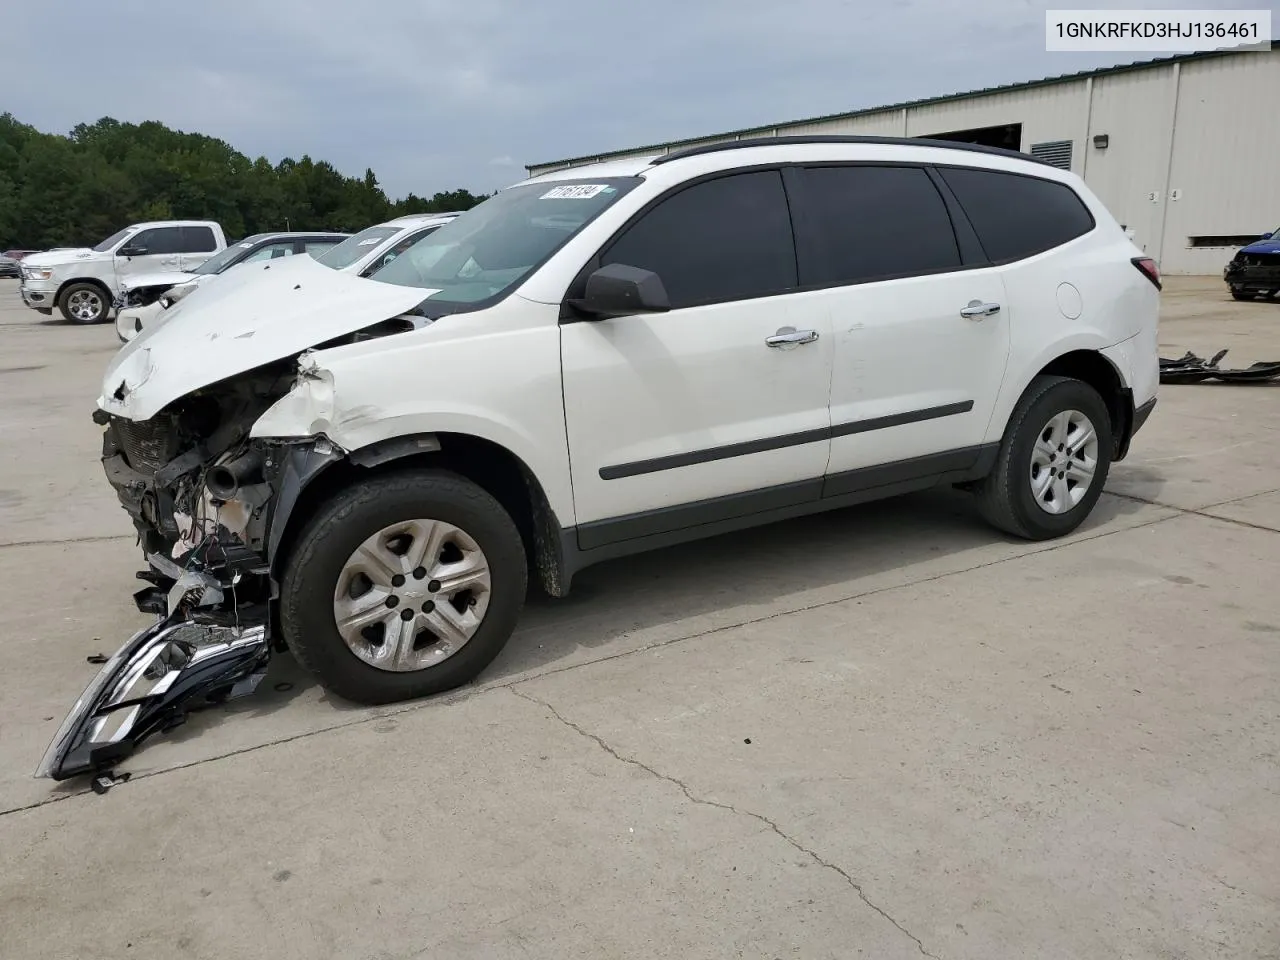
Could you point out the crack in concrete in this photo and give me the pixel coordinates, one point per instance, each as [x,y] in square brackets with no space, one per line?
[712,631]
[1203,512]
[737,811]
[69,540]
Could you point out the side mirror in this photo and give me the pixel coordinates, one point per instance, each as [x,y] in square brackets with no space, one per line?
[131,251]
[618,290]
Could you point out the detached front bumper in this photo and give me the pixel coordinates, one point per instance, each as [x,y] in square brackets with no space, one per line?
[185,659]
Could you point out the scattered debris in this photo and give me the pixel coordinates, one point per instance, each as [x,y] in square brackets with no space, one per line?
[748,740]
[98,658]
[1192,369]
[105,781]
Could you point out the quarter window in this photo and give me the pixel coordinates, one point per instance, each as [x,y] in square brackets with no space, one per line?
[723,239]
[270,252]
[875,223]
[1017,216]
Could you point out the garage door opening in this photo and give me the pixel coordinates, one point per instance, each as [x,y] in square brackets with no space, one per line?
[1008,136]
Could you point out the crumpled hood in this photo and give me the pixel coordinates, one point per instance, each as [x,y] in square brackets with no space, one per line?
[172,278]
[1262,246]
[55,258]
[250,317]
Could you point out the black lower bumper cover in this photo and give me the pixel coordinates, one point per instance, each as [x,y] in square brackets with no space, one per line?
[1142,414]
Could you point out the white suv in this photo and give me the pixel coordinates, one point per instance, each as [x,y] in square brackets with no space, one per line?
[620,357]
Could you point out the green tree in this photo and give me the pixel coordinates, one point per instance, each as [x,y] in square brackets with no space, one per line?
[78,189]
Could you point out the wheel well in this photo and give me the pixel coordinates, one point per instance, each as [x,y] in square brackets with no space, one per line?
[1096,370]
[57,299]
[490,466]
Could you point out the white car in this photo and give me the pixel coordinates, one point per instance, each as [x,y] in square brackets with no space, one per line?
[374,247]
[612,359]
[144,298]
[83,283]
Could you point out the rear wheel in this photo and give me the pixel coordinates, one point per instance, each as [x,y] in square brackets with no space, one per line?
[84,303]
[402,586]
[1239,294]
[1053,461]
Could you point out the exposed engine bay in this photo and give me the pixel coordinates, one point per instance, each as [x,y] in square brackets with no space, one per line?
[209,504]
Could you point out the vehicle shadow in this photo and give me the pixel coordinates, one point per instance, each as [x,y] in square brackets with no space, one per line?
[874,544]
[864,547]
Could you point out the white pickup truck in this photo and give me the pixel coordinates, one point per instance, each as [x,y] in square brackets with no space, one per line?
[84,282]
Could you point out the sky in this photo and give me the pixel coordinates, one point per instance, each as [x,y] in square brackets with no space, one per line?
[441,94]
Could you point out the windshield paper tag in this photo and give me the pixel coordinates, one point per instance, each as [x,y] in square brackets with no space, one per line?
[575,191]
[370,242]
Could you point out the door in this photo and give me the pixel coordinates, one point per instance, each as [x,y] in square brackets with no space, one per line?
[920,326]
[198,244]
[154,250]
[717,408]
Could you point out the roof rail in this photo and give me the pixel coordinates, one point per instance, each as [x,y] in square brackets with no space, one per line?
[842,138]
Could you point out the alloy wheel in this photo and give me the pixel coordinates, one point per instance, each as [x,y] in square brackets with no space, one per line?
[1063,462]
[412,595]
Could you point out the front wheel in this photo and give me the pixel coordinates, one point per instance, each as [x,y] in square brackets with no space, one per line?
[402,586]
[1053,461]
[1238,294]
[84,303]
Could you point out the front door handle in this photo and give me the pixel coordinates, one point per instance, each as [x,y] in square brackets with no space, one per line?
[790,335]
[976,310]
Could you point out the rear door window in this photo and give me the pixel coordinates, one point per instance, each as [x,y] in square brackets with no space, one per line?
[1018,216]
[724,239]
[873,223]
[198,240]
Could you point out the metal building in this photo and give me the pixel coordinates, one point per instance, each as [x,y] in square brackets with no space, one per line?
[1183,150]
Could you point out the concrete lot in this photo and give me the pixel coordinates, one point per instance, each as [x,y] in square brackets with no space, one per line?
[883,733]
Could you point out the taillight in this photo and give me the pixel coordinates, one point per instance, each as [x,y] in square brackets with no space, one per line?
[1148,268]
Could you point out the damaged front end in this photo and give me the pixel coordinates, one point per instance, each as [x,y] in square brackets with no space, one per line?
[209,500]
[204,498]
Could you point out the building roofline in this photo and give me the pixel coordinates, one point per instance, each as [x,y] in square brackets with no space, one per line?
[763,128]
[815,138]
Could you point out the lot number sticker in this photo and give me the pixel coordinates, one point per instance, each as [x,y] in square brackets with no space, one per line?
[575,191]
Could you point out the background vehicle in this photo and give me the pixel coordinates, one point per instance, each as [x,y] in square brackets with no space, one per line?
[145,297]
[83,283]
[9,267]
[376,246]
[1255,269]
[624,357]
[17,254]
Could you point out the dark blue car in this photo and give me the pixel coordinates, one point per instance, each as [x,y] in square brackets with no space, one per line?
[1255,269]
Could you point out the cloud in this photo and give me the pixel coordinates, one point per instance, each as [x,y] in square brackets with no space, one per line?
[440,94]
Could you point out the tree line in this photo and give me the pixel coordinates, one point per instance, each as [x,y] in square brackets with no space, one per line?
[75,190]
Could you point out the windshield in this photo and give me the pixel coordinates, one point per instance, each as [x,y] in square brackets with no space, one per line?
[353,248]
[494,246]
[229,256]
[112,240]
[1273,236]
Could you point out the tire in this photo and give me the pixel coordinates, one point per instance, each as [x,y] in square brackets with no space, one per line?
[1006,497]
[324,557]
[78,301]
[1241,295]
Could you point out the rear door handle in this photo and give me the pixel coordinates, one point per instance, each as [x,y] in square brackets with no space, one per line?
[976,310]
[789,335]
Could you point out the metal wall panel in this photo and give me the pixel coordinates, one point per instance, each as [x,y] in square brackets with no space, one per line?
[886,123]
[1056,111]
[1226,158]
[1135,112]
